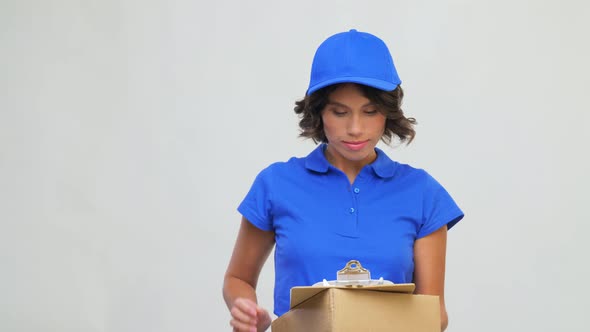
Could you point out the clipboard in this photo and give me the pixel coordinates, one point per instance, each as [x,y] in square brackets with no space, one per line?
[353,275]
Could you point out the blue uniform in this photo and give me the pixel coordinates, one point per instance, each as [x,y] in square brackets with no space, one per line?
[321,221]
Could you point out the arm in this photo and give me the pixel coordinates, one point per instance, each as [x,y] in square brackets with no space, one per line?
[239,288]
[429,271]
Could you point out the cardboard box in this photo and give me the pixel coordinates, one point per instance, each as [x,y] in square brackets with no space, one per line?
[369,308]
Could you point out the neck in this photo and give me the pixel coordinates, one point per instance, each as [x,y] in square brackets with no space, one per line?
[349,167]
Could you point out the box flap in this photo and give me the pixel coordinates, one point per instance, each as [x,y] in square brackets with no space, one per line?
[301,293]
[315,315]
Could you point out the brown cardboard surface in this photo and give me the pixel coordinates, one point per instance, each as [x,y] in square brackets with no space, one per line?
[300,294]
[315,315]
[345,309]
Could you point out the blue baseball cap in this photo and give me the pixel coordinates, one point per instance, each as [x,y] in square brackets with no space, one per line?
[353,57]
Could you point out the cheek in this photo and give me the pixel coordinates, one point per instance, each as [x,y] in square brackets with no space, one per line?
[379,125]
[328,131]
[330,126]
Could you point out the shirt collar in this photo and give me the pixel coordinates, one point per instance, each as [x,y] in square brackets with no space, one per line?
[316,160]
[383,166]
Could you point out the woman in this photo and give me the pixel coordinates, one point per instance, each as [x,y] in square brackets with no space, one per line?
[346,199]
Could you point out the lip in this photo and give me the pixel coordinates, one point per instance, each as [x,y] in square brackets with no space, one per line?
[355,146]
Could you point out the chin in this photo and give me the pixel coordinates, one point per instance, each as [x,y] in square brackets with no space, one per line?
[358,155]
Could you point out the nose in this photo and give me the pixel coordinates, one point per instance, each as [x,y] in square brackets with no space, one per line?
[355,126]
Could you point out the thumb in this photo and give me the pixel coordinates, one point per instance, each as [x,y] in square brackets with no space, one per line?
[260,309]
[262,314]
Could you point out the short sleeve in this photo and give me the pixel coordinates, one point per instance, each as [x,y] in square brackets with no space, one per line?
[439,208]
[257,205]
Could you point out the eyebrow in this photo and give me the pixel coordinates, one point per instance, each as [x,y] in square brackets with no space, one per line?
[330,102]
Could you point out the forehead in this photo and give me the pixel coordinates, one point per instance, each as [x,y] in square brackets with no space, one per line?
[348,93]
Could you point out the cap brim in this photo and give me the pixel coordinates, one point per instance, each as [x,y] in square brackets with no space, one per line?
[375,83]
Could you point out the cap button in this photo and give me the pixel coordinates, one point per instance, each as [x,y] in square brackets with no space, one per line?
[353,30]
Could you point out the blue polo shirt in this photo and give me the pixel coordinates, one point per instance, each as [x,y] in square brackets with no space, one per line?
[321,221]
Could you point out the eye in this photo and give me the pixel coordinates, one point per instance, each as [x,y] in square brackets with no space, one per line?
[371,112]
[338,112]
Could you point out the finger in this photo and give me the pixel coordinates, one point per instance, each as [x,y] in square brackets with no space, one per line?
[261,311]
[242,327]
[246,305]
[242,316]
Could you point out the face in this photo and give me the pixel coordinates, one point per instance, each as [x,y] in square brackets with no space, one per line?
[353,126]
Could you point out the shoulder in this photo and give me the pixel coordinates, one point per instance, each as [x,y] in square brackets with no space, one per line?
[414,179]
[283,168]
[396,171]
[408,172]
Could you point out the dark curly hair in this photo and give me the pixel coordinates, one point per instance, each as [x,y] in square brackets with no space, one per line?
[389,103]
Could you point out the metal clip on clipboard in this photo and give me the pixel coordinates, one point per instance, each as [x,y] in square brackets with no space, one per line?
[353,275]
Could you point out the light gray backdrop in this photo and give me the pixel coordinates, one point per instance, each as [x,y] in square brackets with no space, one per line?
[131,130]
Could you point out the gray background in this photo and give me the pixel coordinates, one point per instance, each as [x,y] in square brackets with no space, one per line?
[131,130]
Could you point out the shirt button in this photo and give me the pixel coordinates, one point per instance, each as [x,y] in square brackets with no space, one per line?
[357,190]
[351,210]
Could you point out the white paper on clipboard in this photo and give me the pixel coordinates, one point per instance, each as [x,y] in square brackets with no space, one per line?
[353,275]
